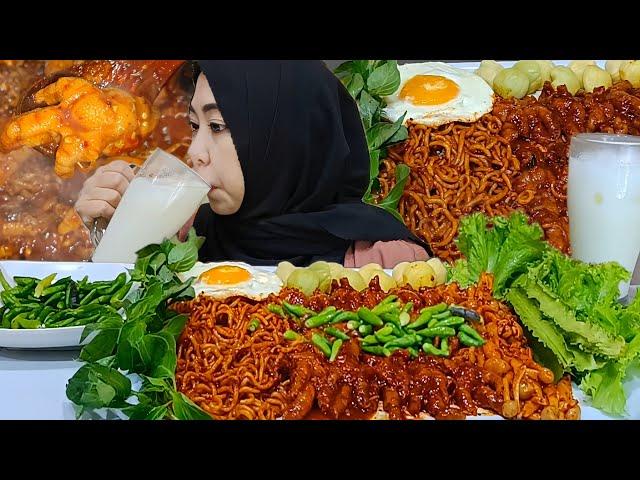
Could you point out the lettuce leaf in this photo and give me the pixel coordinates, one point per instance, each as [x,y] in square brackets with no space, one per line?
[590,337]
[505,249]
[605,385]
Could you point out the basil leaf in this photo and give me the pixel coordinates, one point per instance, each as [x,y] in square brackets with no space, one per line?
[384,80]
[381,132]
[355,85]
[147,304]
[400,136]
[368,107]
[97,386]
[392,199]
[130,350]
[184,256]
[104,343]
[157,261]
[162,351]
[175,325]
[165,274]
[185,409]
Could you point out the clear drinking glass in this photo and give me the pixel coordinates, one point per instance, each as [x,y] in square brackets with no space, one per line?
[160,199]
[604,199]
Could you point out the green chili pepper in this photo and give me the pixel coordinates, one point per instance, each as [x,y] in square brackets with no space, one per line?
[297,310]
[320,319]
[451,322]
[291,336]
[370,340]
[437,332]
[442,315]
[393,318]
[4,283]
[344,317]
[335,349]
[254,324]
[469,341]
[407,307]
[444,347]
[384,331]
[275,308]
[413,352]
[353,324]
[471,332]
[334,332]
[385,308]
[428,348]
[432,323]
[53,289]
[376,350]
[369,317]
[396,330]
[44,283]
[421,321]
[43,314]
[54,299]
[28,323]
[321,342]
[23,281]
[6,322]
[89,297]
[404,342]
[67,295]
[389,299]
[365,329]
[386,338]
[405,319]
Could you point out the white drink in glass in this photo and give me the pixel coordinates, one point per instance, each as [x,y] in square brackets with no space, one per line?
[157,203]
[604,199]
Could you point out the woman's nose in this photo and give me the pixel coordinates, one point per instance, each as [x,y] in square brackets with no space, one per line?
[199,157]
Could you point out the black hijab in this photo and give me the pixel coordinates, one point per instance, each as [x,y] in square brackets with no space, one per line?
[304,157]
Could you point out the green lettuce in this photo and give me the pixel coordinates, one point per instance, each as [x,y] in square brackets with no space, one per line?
[504,249]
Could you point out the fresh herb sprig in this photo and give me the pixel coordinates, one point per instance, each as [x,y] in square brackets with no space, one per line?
[142,342]
[368,82]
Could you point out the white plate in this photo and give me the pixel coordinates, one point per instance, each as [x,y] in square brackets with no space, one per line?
[53,338]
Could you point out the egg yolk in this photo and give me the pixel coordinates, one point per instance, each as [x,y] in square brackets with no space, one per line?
[225,275]
[429,90]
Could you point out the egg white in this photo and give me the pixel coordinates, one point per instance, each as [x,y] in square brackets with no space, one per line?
[259,286]
[474,99]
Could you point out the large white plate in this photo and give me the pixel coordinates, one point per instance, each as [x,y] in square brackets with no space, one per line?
[52,338]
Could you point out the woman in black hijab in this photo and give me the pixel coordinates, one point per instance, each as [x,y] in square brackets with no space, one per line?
[283,146]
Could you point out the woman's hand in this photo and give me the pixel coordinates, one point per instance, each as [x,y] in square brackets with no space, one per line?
[102,192]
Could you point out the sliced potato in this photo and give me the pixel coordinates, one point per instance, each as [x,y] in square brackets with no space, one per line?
[284,270]
[355,279]
[385,280]
[398,270]
[304,279]
[336,270]
[419,274]
[324,274]
[439,270]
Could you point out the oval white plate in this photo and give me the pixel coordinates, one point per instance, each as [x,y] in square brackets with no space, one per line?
[49,338]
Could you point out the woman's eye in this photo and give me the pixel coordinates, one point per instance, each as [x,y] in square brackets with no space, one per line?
[217,127]
[194,126]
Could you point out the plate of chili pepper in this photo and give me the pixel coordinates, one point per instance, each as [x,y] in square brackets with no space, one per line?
[45,305]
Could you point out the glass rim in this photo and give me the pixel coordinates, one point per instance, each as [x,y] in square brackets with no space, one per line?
[617,139]
[183,165]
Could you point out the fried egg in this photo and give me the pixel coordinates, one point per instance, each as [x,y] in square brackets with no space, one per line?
[435,93]
[228,279]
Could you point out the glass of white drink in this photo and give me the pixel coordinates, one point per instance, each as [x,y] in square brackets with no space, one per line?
[160,199]
[604,199]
